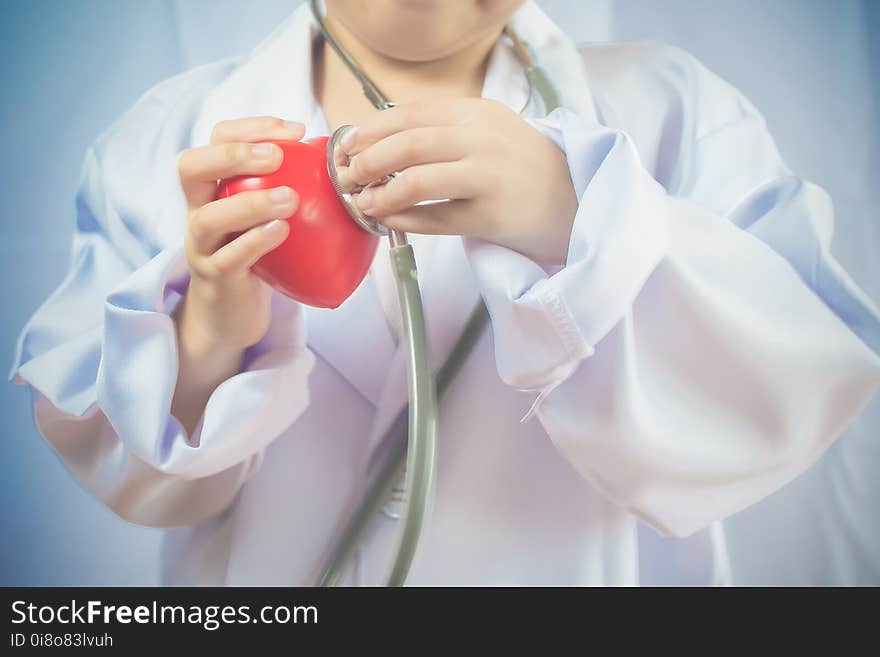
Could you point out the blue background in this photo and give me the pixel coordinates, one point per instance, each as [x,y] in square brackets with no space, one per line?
[72,67]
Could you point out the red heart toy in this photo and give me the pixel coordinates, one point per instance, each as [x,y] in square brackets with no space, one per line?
[326,254]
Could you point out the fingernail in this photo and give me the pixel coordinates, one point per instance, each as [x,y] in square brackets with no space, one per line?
[292,125]
[280,195]
[262,151]
[365,200]
[346,142]
[343,181]
[272,226]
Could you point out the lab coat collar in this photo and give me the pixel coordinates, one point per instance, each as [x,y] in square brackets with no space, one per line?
[558,56]
[275,80]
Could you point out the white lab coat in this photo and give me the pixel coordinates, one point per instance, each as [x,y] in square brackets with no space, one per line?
[698,350]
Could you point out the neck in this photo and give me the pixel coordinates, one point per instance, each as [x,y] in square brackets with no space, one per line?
[458,75]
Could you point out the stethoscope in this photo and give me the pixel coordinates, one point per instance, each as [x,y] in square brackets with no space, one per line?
[411,438]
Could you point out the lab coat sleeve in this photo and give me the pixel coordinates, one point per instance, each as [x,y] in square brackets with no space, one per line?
[101,356]
[697,350]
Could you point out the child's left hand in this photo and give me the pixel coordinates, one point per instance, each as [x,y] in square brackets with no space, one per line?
[507,183]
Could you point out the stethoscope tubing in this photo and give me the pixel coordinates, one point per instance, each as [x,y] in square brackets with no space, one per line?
[419,449]
[388,460]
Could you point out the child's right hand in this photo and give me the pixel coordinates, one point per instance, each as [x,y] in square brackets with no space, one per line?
[226,307]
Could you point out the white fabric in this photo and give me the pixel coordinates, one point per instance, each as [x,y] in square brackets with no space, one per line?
[699,349]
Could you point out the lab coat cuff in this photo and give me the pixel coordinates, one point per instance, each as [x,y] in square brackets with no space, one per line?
[246,412]
[620,231]
[536,337]
[138,370]
[545,322]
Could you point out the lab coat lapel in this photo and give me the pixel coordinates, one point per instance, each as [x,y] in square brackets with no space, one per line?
[354,338]
[274,79]
[559,57]
[449,294]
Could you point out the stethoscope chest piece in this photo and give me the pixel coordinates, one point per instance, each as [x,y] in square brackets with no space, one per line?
[337,163]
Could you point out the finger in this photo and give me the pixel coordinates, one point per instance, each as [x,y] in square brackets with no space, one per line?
[406,149]
[441,218]
[426,182]
[213,222]
[200,168]
[421,114]
[243,252]
[256,128]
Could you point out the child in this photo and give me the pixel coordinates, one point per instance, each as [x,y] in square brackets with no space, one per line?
[666,318]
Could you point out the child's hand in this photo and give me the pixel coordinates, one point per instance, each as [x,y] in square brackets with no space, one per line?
[509,184]
[226,305]
[226,308]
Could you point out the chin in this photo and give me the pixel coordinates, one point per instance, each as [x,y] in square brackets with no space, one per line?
[421,30]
